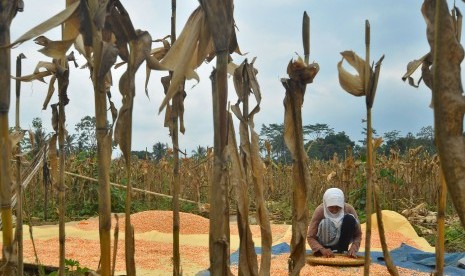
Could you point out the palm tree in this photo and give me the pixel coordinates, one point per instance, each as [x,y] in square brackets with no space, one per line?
[159,151]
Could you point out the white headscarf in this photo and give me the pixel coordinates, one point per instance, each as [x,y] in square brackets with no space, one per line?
[334,197]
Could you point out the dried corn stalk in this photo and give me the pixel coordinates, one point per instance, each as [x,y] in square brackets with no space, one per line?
[448,98]
[293,137]
[245,82]
[238,179]
[8,10]
[300,74]
[364,84]
[219,17]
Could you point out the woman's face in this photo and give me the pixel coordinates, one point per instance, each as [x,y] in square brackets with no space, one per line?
[334,209]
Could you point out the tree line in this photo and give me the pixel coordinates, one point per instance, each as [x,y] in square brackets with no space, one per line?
[321,142]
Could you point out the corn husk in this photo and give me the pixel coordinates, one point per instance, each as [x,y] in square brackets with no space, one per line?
[352,83]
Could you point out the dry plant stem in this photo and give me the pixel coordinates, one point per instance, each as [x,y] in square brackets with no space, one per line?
[369,163]
[379,217]
[175,140]
[176,184]
[115,245]
[103,159]
[293,130]
[6,10]
[247,256]
[19,186]
[448,99]
[441,221]
[369,193]
[63,80]
[219,212]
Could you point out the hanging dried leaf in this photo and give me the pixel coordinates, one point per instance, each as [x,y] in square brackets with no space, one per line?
[158,54]
[293,137]
[370,97]
[349,82]
[247,256]
[193,46]
[51,23]
[108,58]
[54,116]
[413,65]
[36,76]
[51,89]
[262,212]
[140,50]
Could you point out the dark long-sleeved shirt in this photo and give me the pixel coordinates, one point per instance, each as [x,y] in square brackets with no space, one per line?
[318,215]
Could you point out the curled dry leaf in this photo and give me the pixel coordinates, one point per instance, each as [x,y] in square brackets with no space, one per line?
[301,72]
[54,49]
[353,84]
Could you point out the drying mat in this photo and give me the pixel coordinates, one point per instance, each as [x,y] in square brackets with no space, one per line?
[338,260]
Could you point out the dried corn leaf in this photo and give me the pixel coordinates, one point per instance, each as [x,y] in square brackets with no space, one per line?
[374,76]
[51,89]
[413,66]
[185,54]
[36,76]
[52,22]
[140,50]
[247,256]
[377,143]
[262,212]
[54,49]
[293,138]
[107,59]
[299,71]
[352,83]
[158,54]
[54,117]
[15,137]
[71,26]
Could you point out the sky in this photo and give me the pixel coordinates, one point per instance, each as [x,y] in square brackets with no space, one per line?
[271,31]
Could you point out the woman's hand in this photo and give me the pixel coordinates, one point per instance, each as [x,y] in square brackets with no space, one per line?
[352,253]
[327,253]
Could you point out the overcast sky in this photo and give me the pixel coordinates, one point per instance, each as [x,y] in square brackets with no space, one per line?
[271,31]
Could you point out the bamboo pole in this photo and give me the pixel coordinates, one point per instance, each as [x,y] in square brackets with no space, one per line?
[19,186]
[133,189]
[7,11]
[440,235]
[369,162]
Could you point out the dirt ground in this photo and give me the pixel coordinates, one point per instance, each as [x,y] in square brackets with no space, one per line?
[153,241]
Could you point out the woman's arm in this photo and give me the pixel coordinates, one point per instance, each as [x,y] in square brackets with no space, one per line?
[357,239]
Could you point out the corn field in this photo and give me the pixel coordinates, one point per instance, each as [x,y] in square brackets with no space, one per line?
[233,176]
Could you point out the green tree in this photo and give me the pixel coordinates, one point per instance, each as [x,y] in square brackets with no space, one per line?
[86,139]
[159,151]
[325,148]
[274,133]
[199,153]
